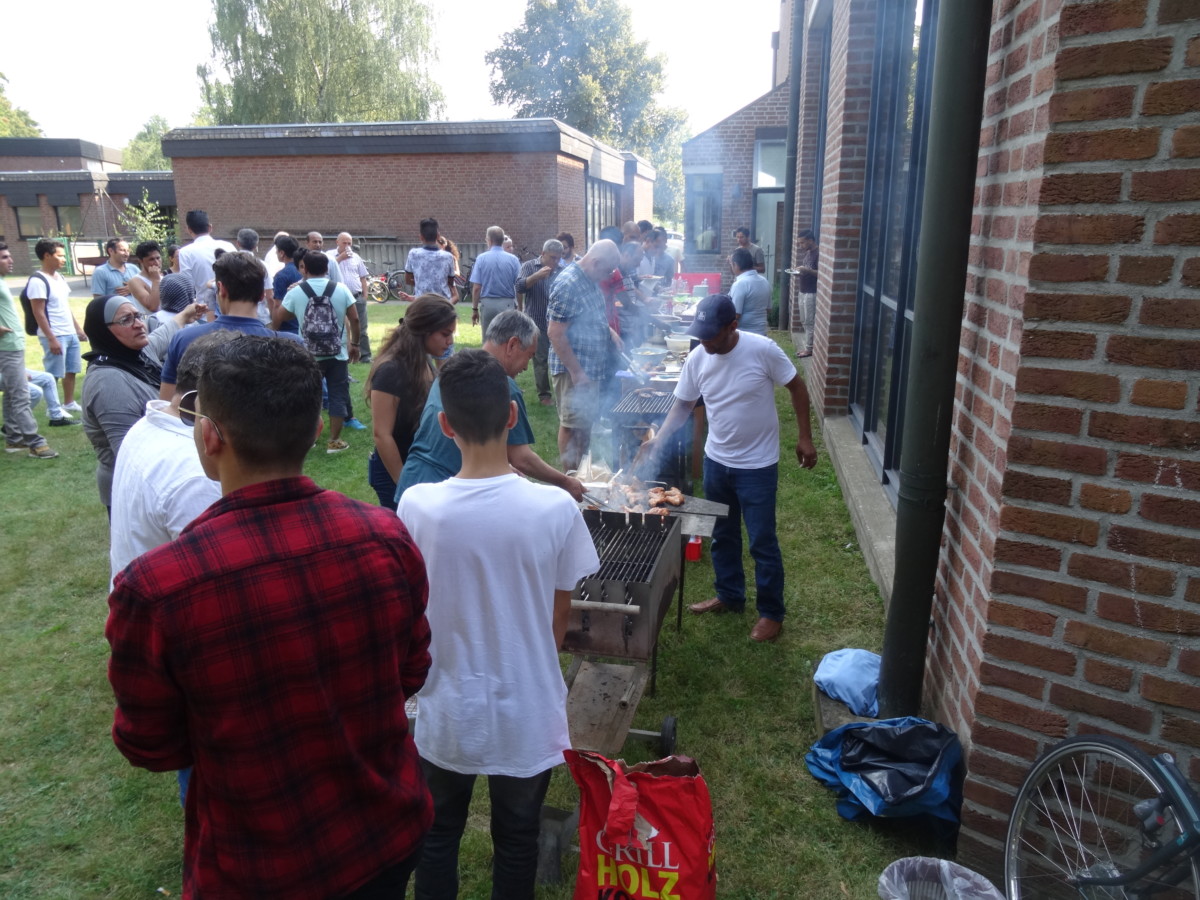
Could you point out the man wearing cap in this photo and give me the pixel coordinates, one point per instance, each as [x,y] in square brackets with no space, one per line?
[737,373]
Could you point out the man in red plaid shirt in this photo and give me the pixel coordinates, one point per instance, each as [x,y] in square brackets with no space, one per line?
[271,646]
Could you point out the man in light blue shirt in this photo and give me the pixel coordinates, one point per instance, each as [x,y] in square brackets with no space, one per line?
[113,276]
[751,292]
[493,281]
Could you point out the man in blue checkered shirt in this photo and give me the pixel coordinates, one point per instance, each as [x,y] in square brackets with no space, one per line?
[581,343]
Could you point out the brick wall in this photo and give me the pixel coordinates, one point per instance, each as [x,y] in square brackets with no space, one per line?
[848,112]
[531,195]
[730,145]
[1069,594]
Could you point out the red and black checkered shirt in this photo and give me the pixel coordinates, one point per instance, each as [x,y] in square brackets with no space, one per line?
[272,647]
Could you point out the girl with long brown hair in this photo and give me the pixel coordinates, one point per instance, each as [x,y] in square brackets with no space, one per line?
[399,383]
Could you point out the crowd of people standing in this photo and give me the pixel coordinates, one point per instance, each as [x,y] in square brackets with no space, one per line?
[266,634]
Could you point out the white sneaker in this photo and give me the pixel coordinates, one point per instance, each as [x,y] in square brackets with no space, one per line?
[63,414]
[72,407]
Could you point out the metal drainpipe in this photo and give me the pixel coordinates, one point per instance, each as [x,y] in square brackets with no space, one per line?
[789,177]
[956,107]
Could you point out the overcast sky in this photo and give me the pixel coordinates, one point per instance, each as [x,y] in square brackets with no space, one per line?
[99,77]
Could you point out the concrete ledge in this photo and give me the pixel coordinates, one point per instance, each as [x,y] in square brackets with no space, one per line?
[872,514]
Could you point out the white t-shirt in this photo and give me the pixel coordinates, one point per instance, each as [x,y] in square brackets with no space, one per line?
[58,304]
[739,399]
[494,702]
[158,486]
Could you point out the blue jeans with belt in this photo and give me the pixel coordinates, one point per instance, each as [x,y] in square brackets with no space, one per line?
[750,494]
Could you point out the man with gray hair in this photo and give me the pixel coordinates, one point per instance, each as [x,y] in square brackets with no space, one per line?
[247,241]
[533,296]
[433,457]
[581,347]
[357,279]
[492,279]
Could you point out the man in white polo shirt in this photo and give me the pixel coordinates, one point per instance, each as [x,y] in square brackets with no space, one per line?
[737,373]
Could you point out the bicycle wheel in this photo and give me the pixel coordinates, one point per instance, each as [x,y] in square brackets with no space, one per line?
[1074,817]
[377,291]
[396,284]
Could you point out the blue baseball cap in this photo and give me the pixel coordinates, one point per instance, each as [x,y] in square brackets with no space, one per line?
[713,313]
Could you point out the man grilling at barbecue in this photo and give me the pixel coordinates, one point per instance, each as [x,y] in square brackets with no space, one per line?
[495,702]
[737,373]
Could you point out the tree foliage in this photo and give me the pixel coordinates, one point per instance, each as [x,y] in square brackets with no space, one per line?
[319,61]
[578,61]
[14,121]
[144,152]
[146,221]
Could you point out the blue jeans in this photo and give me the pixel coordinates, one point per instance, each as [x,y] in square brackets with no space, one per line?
[516,821]
[750,494]
[381,480]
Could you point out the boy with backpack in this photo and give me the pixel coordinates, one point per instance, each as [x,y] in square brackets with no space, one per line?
[323,309]
[49,296]
[494,702]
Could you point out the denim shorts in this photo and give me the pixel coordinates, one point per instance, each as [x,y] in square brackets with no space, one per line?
[59,364]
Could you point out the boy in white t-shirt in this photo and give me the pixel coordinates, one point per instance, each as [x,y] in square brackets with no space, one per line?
[58,332]
[494,702]
[737,372]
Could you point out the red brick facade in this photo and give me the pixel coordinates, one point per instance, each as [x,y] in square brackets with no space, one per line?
[1068,593]
[728,147]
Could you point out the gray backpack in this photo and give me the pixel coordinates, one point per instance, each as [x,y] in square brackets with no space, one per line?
[319,327]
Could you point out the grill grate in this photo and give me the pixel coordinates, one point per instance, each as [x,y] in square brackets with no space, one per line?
[645,402]
[628,553]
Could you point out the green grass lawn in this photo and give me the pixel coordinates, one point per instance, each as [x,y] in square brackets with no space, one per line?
[76,821]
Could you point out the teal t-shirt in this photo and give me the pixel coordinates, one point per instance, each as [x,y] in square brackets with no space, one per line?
[433,457]
[296,301]
[10,317]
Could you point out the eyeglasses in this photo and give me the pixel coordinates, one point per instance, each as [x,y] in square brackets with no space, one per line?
[188,414]
[126,321]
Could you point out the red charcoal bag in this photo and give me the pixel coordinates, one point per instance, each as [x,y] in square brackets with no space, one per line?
[645,831]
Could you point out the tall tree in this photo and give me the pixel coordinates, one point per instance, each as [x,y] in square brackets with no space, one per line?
[578,61]
[319,61]
[144,152]
[14,121]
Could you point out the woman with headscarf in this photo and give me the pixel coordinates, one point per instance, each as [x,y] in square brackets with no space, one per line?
[399,384]
[124,372]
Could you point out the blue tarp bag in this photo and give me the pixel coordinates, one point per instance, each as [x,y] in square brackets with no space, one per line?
[892,768]
[851,676]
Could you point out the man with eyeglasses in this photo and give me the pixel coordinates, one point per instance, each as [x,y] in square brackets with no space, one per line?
[239,278]
[272,646]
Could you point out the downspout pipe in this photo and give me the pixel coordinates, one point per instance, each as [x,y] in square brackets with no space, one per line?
[791,149]
[952,149]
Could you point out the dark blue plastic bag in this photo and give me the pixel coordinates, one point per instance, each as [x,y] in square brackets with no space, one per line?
[893,767]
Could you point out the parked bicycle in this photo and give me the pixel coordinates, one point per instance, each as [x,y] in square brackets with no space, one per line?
[1098,818]
[392,284]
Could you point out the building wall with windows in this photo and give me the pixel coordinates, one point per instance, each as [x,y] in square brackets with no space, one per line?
[533,177]
[1068,592]
[734,176]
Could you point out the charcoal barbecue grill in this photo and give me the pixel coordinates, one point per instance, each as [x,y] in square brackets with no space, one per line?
[646,407]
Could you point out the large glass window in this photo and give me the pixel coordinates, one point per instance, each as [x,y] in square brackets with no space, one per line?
[887,270]
[70,221]
[601,208]
[29,222]
[702,201]
[770,164]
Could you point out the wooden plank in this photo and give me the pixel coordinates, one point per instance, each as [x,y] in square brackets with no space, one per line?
[601,705]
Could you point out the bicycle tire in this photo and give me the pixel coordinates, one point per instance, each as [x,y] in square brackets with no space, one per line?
[396,283]
[378,291]
[1073,816]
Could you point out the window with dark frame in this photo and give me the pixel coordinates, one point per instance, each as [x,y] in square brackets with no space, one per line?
[29,222]
[70,220]
[891,224]
[702,205]
[601,208]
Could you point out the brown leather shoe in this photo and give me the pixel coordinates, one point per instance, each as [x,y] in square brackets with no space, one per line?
[766,630]
[710,606]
